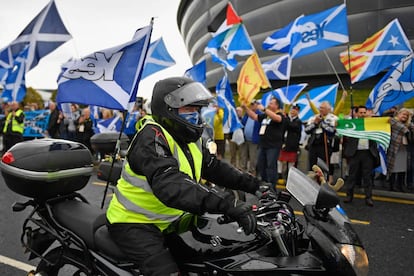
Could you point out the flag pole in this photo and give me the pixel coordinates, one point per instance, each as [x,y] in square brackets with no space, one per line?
[118,142]
[333,68]
[349,72]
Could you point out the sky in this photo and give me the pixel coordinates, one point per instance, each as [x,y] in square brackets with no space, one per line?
[96,25]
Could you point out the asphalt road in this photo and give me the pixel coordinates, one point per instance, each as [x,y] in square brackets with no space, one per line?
[387,231]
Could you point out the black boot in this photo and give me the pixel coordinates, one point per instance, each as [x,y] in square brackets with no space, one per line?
[349,197]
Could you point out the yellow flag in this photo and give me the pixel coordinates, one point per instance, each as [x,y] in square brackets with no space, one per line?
[251,79]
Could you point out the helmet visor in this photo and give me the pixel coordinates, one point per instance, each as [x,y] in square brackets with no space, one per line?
[190,94]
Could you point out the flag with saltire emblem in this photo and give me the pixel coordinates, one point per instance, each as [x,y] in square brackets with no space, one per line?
[376,53]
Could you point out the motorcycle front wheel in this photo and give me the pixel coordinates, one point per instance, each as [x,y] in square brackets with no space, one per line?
[61,261]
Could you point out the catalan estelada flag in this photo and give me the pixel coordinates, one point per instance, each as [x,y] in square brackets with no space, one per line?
[376,53]
[375,128]
[251,79]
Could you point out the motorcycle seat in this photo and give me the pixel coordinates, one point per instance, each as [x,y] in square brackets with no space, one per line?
[81,218]
[107,246]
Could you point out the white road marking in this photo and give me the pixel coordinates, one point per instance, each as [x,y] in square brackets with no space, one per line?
[17,264]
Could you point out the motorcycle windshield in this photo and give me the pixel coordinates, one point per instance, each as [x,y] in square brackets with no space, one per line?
[304,189]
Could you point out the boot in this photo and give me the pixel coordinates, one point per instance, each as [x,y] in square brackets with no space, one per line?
[349,197]
[369,202]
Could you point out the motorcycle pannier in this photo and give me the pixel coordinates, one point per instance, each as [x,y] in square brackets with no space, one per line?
[105,142]
[45,168]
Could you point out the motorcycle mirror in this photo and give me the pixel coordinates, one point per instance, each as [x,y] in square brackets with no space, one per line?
[327,198]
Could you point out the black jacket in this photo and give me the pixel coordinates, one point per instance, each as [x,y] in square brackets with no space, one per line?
[351,147]
[150,155]
[294,131]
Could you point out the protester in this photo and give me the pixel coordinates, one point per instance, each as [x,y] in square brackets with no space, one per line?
[293,132]
[270,139]
[13,127]
[219,132]
[321,128]
[397,154]
[248,153]
[53,124]
[84,128]
[160,190]
[362,157]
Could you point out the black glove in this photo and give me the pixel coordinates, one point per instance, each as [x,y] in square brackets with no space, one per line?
[265,190]
[242,213]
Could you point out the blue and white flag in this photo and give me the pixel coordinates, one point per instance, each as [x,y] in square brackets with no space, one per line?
[279,41]
[15,83]
[208,113]
[279,68]
[107,78]
[35,123]
[113,124]
[396,87]
[197,72]
[225,45]
[44,34]
[158,58]
[131,120]
[3,75]
[317,96]
[382,168]
[226,101]
[319,31]
[285,95]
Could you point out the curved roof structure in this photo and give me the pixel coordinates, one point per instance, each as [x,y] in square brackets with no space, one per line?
[264,17]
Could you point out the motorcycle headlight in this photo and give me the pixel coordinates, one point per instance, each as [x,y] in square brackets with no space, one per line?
[357,257]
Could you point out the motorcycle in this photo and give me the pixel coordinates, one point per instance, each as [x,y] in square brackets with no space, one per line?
[69,235]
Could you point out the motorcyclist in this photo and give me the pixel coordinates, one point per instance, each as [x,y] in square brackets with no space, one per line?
[161,178]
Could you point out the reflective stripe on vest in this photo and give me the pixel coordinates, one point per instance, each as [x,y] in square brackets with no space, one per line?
[134,200]
[16,126]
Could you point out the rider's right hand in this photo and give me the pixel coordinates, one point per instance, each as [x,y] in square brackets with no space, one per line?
[242,213]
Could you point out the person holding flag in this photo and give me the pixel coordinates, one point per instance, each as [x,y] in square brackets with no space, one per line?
[362,157]
[321,128]
[272,120]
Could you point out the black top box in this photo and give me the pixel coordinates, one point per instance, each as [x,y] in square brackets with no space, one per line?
[46,168]
[105,142]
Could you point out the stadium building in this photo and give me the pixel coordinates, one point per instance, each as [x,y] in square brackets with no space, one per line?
[263,17]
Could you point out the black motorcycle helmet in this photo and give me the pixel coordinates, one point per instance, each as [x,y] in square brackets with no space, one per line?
[168,96]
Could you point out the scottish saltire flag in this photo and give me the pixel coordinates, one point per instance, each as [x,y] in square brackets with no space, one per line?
[15,83]
[107,78]
[286,95]
[131,119]
[208,113]
[197,72]
[3,75]
[377,52]
[375,128]
[396,87]
[279,68]
[224,46]
[280,40]
[319,31]
[225,100]
[317,95]
[158,58]
[35,123]
[113,124]
[44,34]
[251,79]
[382,168]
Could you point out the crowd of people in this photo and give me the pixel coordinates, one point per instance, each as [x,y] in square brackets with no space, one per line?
[274,139]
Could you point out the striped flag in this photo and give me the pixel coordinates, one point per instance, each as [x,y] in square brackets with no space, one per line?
[375,128]
[377,52]
[251,79]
